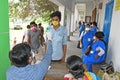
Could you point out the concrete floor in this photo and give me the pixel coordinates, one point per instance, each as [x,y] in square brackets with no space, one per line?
[72,45]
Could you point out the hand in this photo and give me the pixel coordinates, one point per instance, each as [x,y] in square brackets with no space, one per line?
[63,60]
[97,56]
[80,45]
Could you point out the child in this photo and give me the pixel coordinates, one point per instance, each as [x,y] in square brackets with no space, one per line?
[21,59]
[77,72]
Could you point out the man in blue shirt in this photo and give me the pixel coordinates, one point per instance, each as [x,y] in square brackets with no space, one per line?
[21,59]
[82,28]
[58,37]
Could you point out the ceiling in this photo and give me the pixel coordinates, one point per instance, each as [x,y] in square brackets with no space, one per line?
[84,1]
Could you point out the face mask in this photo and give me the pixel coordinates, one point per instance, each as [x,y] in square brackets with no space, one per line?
[87,29]
[94,37]
[34,29]
[55,23]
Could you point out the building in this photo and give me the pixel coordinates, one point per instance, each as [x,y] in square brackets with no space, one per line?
[105,12]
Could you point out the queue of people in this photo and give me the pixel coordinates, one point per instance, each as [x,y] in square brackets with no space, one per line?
[92,45]
[23,56]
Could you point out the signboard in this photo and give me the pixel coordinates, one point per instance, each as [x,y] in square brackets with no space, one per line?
[117,5]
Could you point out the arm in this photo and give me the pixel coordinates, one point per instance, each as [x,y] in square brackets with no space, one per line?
[80,39]
[100,52]
[42,67]
[64,45]
[23,38]
[29,38]
[64,52]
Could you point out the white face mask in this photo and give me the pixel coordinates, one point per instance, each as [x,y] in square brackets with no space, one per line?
[94,37]
[87,29]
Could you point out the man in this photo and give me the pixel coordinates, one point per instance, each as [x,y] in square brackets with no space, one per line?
[21,68]
[58,37]
[34,36]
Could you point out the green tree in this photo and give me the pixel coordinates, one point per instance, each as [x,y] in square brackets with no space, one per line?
[32,9]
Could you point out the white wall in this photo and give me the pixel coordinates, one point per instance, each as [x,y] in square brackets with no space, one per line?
[89,8]
[101,13]
[113,53]
[114,40]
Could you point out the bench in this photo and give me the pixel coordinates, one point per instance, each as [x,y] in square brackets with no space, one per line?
[57,71]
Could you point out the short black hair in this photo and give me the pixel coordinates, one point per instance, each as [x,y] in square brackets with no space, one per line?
[40,24]
[33,23]
[99,35]
[56,13]
[19,55]
[94,23]
[75,66]
[28,26]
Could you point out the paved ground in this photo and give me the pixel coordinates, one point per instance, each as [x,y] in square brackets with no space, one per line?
[72,45]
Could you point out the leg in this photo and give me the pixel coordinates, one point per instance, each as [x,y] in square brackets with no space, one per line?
[89,66]
[88,60]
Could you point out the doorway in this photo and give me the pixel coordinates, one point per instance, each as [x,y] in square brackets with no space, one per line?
[107,21]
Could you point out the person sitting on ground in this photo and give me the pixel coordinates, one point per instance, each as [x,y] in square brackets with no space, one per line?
[97,53]
[21,58]
[76,70]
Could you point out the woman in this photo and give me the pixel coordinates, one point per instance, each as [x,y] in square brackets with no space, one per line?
[86,38]
[97,52]
[77,72]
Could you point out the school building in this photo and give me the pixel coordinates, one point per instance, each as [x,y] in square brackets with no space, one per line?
[105,12]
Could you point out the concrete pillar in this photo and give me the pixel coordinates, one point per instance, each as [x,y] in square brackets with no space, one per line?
[76,18]
[62,10]
[68,23]
[4,39]
[72,24]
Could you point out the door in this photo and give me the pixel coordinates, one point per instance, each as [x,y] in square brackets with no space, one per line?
[107,20]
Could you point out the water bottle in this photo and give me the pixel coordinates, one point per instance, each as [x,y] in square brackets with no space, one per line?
[49,33]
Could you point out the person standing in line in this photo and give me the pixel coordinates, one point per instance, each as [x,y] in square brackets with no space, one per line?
[25,36]
[86,38]
[34,36]
[94,28]
[82,28]
[58,35]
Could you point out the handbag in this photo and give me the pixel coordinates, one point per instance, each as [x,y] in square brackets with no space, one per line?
[107,68]
[88,50]
[78,45]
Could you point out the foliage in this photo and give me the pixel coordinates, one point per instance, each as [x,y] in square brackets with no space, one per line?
[32,9]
